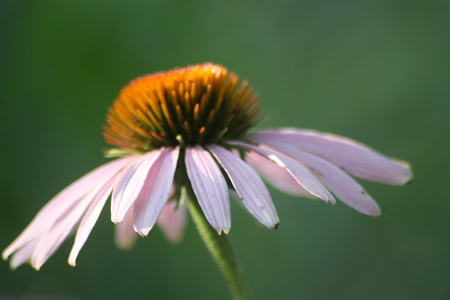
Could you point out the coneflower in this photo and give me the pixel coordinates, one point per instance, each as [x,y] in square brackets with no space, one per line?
[186,134]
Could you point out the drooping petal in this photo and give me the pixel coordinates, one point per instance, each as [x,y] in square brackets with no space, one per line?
[130,184]
[172,221]
[356,158]
[155,192]
[58,206]
[275,175]
[125,236]
[52,239]
[249,186]
[210,188]
[339,182]
[299,172]
[89,219]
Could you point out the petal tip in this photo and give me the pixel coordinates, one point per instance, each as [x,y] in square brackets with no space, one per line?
[143,232]
[403,173]
[116,220]
[408,179]
[5,255]
[376,213]
[12,268]
[125,244]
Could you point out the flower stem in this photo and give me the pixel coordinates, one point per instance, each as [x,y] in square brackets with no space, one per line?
[220,248]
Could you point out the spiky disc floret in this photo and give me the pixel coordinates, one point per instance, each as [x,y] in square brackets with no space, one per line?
[196,105]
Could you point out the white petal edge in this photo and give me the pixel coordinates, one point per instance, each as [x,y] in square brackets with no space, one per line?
[210,188]
[299,172]
[156,191]
[355,157]
[249,187]
[58,206]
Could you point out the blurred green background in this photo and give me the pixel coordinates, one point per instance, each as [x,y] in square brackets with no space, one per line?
[376,71]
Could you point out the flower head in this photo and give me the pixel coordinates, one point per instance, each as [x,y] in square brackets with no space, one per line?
[189,129]
[197,105]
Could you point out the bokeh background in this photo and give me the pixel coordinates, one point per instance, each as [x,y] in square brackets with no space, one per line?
[376,71]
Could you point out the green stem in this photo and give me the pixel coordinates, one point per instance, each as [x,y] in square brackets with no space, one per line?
[220,248]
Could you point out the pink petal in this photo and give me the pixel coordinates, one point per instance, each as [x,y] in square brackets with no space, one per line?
[125,236]
[354,157]
[339,182]
[88,221]
[155,192]
[299,172]
[275,175]
[210,188]
[23,254]
[59,205]
[172,221]
[52,239]
[249,186]
[130,184]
